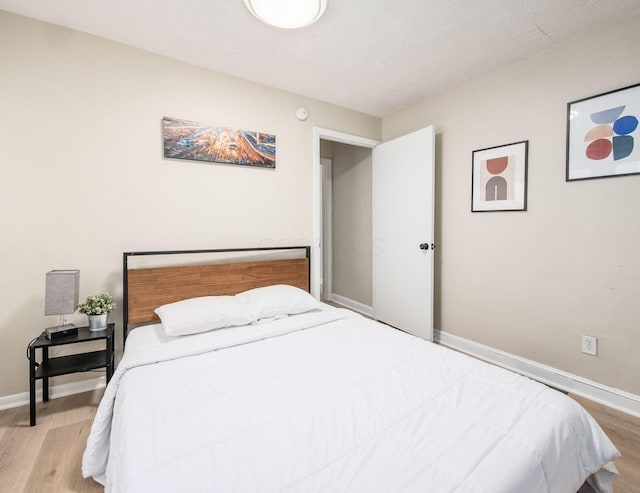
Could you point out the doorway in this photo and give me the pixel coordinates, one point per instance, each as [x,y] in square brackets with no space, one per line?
[402,220]
[318,254]
[346,239]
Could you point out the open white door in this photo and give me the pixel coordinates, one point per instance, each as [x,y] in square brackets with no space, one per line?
[403,200]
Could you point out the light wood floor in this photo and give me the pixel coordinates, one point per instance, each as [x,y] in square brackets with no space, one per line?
[47,457]
[624,431]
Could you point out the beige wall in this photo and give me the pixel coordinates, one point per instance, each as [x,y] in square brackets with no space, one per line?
[351,220]
[83,178]
[532,282]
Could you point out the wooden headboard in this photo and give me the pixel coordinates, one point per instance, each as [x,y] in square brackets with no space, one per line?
[145,289]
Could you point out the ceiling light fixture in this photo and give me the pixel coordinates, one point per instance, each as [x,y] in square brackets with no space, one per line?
[287,14]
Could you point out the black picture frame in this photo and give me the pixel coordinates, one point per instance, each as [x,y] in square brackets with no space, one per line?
[499,178]
[602,135]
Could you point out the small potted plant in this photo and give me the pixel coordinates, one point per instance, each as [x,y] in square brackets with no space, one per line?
[97,308]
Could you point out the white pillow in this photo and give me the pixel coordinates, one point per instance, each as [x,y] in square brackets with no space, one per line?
[203,314]
[278,300]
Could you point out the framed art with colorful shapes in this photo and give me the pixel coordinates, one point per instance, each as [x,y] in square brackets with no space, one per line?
[499,178]
[603,135]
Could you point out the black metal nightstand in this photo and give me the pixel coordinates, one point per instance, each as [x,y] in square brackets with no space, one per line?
[62,365]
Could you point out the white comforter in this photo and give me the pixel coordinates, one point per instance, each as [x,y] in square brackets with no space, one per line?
[332,402]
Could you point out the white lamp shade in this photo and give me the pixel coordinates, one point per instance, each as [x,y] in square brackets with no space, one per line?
[287,14]
[61,292]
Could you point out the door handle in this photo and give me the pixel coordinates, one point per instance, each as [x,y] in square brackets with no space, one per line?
[424,246]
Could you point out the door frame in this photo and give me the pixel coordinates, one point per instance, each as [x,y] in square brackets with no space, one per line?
[320,133]
[326,224]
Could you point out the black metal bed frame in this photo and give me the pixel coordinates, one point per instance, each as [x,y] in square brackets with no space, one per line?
[125,270]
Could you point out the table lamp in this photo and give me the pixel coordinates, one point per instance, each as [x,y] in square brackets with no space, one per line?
[61,298]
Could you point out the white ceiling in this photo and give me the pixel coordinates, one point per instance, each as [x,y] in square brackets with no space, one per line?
[374,56]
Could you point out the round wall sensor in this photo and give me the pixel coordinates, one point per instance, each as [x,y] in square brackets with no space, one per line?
[301,114]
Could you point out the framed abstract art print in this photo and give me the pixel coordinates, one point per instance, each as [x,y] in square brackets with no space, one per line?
[603,134]
[499,178]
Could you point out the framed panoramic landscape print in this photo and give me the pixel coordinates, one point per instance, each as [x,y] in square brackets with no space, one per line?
[183,139]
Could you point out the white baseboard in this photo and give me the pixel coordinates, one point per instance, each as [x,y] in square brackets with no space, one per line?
[55,391]
[609,396]
[356,306]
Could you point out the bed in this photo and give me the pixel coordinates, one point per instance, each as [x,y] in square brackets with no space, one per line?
[320,399]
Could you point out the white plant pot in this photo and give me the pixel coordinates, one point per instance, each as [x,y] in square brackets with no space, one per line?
[98,322]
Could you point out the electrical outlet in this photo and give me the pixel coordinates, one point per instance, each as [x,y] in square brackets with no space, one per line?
[590,345]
